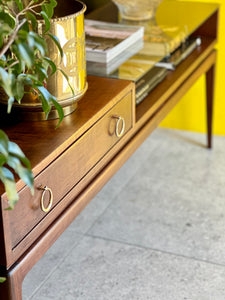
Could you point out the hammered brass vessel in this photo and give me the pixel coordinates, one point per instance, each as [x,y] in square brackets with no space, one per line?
[68,26]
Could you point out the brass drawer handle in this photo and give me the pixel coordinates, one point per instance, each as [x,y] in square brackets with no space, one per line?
[45,189]
[119,132]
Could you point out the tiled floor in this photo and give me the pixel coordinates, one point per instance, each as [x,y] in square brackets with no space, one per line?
[156,231]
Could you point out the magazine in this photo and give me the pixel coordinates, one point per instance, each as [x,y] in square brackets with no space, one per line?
[104,69]
[106,41]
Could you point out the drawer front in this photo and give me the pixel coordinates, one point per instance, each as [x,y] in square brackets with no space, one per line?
[68,169]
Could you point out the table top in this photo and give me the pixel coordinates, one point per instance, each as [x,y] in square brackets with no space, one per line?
[177,19]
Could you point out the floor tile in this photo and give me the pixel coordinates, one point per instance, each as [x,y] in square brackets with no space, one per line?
[49,262]
[172,207]
[104,270]
[186,160]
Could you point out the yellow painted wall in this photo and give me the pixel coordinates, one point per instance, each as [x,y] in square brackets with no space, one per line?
[190,112]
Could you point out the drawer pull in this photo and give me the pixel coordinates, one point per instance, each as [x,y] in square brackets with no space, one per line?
[119,132]
[45,189]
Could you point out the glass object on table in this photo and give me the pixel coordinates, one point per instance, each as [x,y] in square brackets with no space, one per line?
[137,9]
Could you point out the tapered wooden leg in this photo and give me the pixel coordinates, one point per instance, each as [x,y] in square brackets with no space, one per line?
[11,289]
[210,79]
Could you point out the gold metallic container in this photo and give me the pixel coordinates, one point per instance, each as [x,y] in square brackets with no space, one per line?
[68,26]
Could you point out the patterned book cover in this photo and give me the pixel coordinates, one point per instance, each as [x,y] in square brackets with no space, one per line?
[105,41]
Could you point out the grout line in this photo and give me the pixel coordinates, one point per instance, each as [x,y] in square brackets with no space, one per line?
[59,262]
[156,250]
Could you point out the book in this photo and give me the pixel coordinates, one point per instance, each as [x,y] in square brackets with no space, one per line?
[162,40]
[105,41]
[170,62]
[104,69]
[143,72]
[148,82]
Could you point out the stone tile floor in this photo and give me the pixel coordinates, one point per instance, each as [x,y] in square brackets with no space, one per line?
[156,231]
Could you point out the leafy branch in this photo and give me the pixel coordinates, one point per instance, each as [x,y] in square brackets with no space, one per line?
[24,58]
[11,156]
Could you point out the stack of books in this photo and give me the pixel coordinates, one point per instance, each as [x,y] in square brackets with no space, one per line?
[162,40]
[143,73]
[176,57]
[117,51]
[108,45]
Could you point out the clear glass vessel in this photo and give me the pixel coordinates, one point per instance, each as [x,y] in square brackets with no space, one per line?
[137,9]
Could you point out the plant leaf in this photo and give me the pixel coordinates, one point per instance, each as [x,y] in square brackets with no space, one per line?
[57,43]
[13,156]
[42,73]
[48,8]
[31,41]
[3,160]
[32,19]
[26,54]
[67,78]
[3,143]
[7,18]
[14,150]
[2,279]
[45,106]
[4,80]
[46,99]
[19,90]
[35,80]
[10,103]
[59,110]
[10,186]
[25,79]
[19,4]
[24,173]
[46,19]
[52,64]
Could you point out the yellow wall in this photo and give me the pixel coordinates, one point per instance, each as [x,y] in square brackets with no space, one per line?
[189,114]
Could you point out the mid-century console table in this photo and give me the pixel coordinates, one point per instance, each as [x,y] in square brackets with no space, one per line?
[74,161]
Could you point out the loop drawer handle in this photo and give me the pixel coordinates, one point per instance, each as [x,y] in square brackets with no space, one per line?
[118,132]
[45,189]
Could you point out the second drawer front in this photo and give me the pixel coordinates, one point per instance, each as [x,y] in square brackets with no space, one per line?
[67,170]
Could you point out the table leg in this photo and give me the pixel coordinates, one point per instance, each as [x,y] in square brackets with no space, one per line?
[11,289]
[210,79]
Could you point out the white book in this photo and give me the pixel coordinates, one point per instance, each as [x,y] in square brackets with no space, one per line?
[97,68]
[105,41]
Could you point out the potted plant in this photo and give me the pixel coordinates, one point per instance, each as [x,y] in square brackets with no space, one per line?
[24,70]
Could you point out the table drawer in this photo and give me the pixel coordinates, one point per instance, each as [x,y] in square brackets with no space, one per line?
[68,169]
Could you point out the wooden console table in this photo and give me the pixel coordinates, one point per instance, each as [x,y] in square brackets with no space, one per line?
[77,159]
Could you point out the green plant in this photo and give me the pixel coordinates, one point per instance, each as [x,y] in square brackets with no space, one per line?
[23,51]
[24,62]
